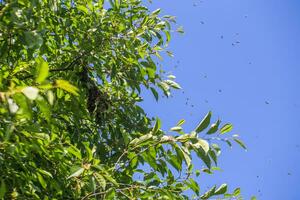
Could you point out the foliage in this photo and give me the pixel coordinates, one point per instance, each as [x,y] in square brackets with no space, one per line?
[71,128]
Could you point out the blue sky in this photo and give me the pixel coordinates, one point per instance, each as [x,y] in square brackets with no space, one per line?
[240,59]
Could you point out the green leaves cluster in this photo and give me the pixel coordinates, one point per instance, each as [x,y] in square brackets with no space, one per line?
[70,125]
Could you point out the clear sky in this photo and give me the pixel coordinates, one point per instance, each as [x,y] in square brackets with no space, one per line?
[241,60]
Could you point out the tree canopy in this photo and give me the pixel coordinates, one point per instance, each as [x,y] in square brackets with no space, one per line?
[71,127]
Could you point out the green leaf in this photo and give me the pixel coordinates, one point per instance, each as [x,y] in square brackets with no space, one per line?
[50,97]
[240,143]
[214,128]
[226,128]
[237,192]
[13,107]
[175,161]
[228,142]
[213,155]
[74,151]
[172,84]
[141,140]
[42,70]
[42,181]
[156,126]
[221,190]
[203,156]
[110,179]
[186,156]
[183,138]
[100,179]
[44,107]
[180,30]
[65,85]
[31,92]
[156,12]
[2,189]
[45,172]
[181,122]
[82,8]
[110,194]
[253,198]
[76,173]
[202,144]
[194,186]
[154,92]
[209,193]
[165,87]
[176,129]
[204,123]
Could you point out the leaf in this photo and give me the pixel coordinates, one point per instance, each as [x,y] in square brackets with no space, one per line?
[221,190]
[172,84]
[240,143]
[76,173]
[180,123]
[82,8]
[65,85]
[213,155]
[180,29]
[3,189]
[228,142]
[42,181]
[204,157]
[13,107]
[253,198]
[194,186]
[43,136]
[237,192]
[45,172]
[154,92]
[176,128]
[183,138]
[226,128]
[110,179]
[74,151]
[209,193]
[44,107]
[165,87]
[203,144]
[156,12]
[175,161]
[214,128]
[204,123]
[50,97]
[110,194]
[140,140]
[100,179]
[31,92]
[42,70]
[156,126]
[186,156]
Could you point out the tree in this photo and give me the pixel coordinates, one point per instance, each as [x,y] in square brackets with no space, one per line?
[71,128]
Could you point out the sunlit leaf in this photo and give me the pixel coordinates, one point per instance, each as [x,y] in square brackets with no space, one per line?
[240,143]
[30,92]
[176,128]
[42,70]
[77,173]
[204,123]
[65,85]
[226,128]
[221,190]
